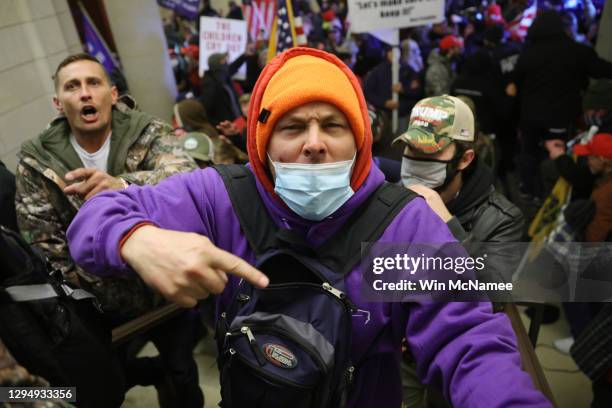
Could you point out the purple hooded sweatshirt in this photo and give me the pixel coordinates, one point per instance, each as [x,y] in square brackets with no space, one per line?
[464,349]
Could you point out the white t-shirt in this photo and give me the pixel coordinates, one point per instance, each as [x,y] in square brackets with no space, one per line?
[97,159]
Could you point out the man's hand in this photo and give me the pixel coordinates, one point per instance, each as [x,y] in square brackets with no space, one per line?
[555,147]
[397,88]
[391,104]
[511,90]
[433,199]
[184,267]
[228,128]
[92,181]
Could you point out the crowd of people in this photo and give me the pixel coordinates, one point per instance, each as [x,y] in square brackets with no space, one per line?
[113,199]
[473,53]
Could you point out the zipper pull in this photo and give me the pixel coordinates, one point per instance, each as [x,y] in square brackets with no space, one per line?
[253,344]
[230,357]
[226,338]
[337,293]
[340,295]
[243,298]
[221,325]
[350,375]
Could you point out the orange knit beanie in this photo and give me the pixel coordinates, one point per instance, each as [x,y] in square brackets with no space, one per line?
[301,80]
[297,77]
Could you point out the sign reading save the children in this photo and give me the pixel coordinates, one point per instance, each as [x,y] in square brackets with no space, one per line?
[370,15]
[221,35]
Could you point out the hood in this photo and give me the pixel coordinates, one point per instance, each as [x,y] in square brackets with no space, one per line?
[52,147]
[436,58]
[214,60]
[364,153]
[476,189]
[546,26]
[53,150]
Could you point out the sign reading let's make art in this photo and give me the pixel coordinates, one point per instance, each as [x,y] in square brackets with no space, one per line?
[371,15]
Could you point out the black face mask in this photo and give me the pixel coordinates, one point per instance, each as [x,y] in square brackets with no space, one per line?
[451,170]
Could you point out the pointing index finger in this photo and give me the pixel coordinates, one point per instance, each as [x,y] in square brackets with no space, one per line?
[236,266]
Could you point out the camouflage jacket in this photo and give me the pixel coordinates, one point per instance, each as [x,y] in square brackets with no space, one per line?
[14,375]
[143,150]
[439,75]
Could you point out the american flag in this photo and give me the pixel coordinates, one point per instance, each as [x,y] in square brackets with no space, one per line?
[284,34]
[259,15]
[521,23]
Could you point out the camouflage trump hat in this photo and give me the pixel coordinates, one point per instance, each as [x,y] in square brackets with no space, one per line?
[199,146]
[435,122]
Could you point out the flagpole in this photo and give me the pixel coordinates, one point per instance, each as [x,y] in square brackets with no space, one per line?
[395,80]
[291,22]
[273,38]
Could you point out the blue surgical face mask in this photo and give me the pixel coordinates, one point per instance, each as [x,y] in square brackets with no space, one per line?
[314,191]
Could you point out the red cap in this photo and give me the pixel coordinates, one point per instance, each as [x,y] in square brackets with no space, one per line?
[494,12]
[328,15]
[494,15]
[450,41]
[600,146]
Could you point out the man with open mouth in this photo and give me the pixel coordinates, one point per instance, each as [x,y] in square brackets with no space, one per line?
[97,143]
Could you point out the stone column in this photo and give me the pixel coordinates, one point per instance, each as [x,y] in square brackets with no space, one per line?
[604,37]
[35,35]
[139,35]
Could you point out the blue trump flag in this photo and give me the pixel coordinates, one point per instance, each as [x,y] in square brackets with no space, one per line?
[187,8]
[96,46]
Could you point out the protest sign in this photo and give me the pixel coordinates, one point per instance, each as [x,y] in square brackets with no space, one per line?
[218,35]
[370,15]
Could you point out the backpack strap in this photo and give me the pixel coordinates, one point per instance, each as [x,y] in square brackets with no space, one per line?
[338,253]
[366,225]
[258,227]
[28,293]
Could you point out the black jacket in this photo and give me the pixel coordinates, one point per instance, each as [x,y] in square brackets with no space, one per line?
[552,71]
[505,56]
[377,87]
[478,82]
[7,198]
[577,175]
[481,214]
[215,97]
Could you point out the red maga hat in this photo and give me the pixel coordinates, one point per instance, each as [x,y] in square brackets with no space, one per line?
[450,41]
[600,146]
